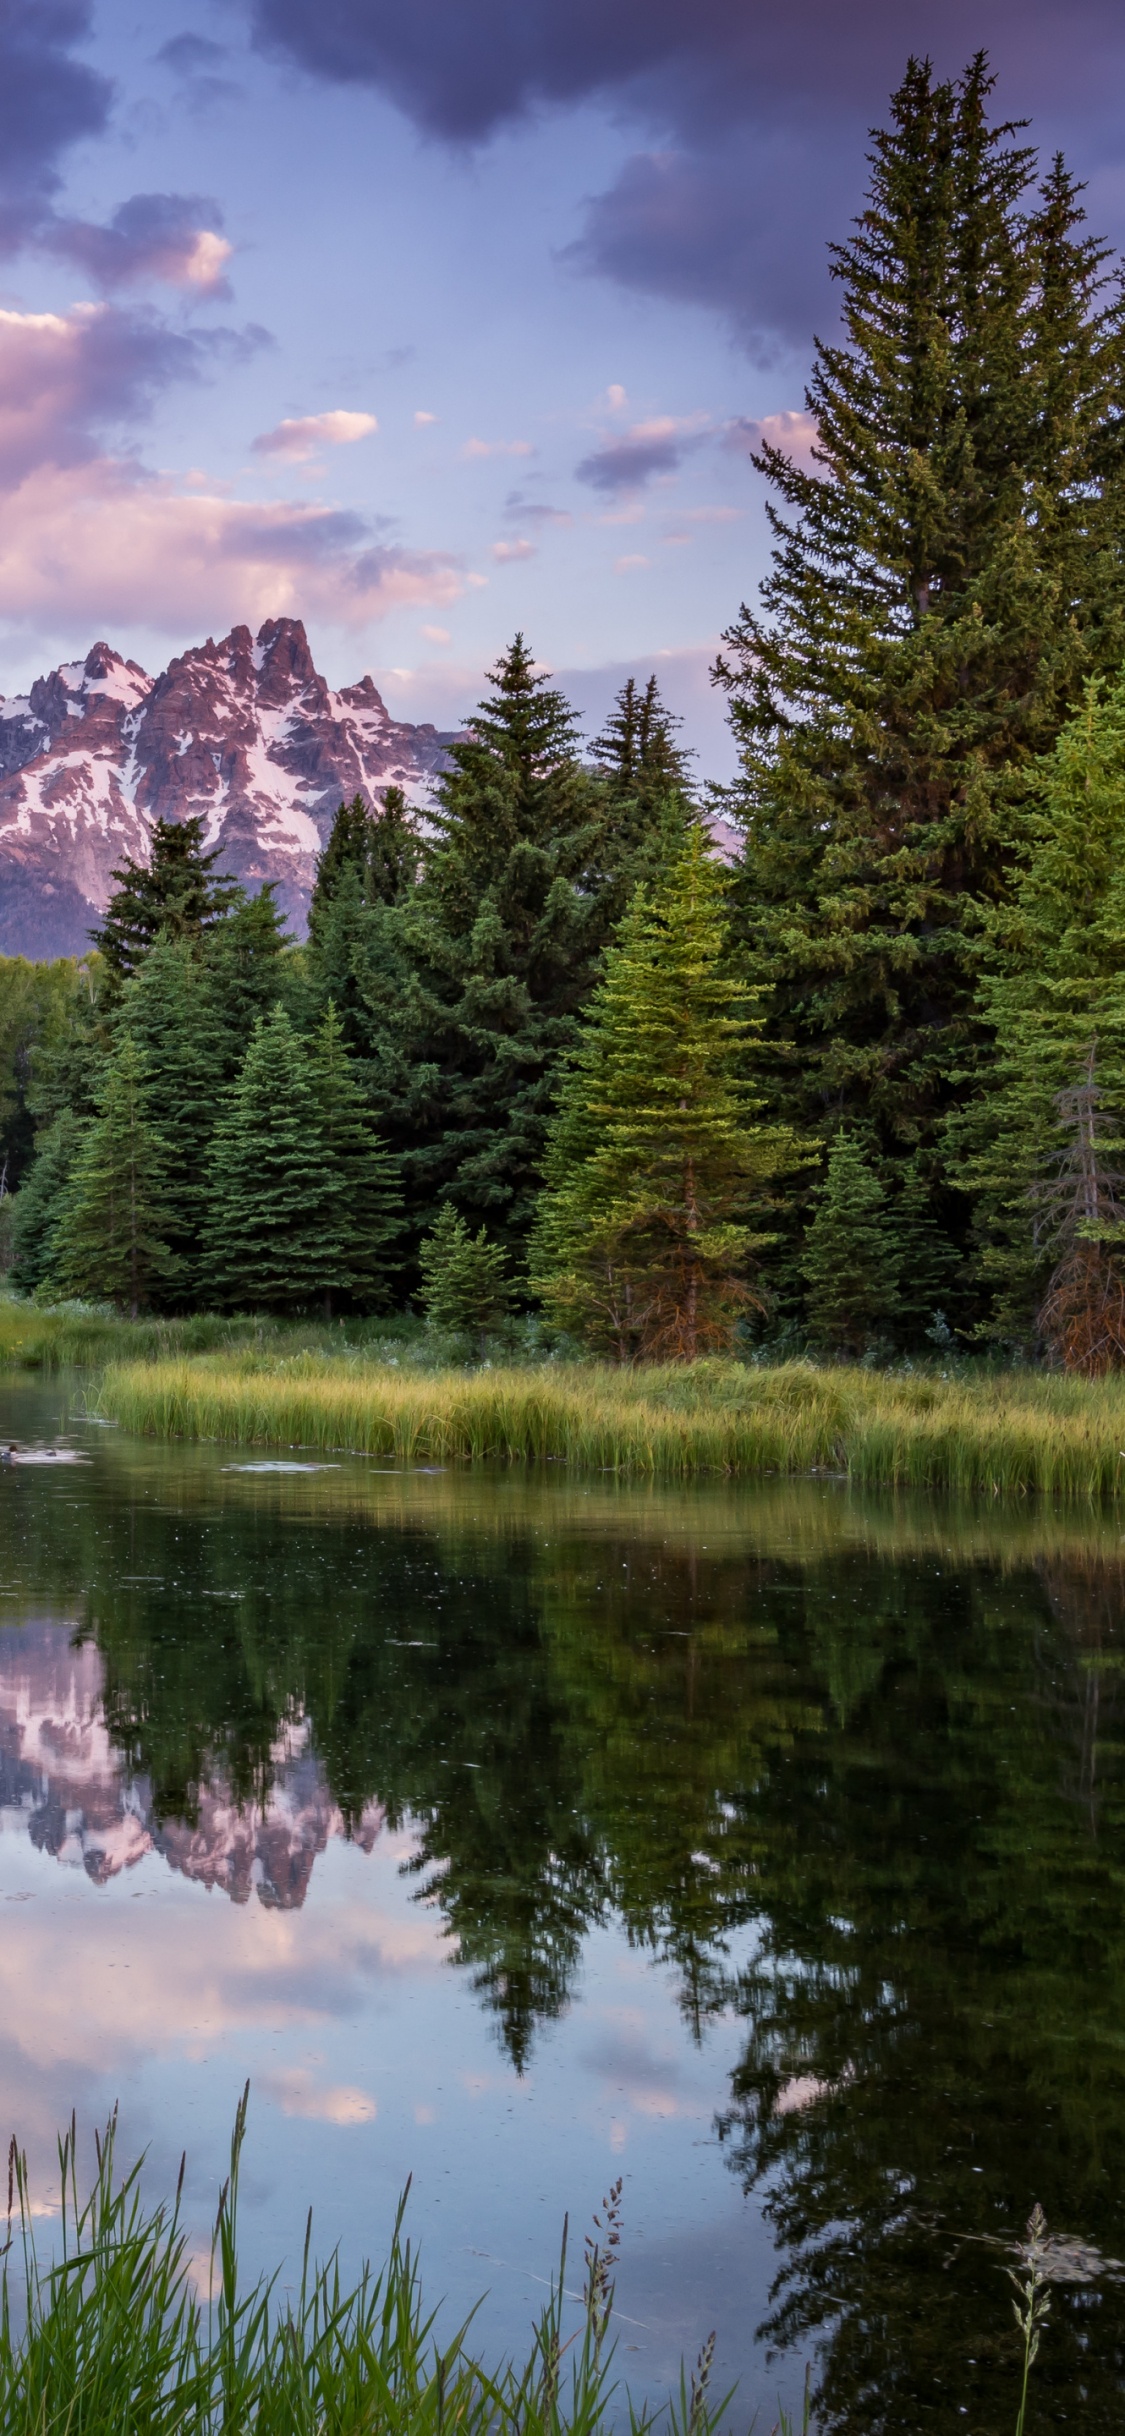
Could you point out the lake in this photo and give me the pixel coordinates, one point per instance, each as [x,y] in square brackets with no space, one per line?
[760,1844]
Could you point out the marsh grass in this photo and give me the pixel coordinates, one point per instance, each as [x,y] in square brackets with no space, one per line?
[112,2338]
[998,1433]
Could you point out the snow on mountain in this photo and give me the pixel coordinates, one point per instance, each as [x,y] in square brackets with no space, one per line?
[246,732]
[63,1782]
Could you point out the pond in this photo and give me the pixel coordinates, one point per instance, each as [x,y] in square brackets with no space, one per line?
[761,1844]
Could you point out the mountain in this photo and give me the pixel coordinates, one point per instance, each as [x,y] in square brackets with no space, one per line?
[65,1783]
[245,731]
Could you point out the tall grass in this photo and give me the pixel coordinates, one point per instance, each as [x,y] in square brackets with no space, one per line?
[1001,1433]
[113,2339]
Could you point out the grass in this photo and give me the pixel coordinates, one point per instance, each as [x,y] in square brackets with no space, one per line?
[994,1432]
[113,2338]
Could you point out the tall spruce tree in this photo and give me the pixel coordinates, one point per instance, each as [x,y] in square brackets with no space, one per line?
[111,1241]
[248,968]
[178,891]
[945,573]
[645,1242]
[168,1007]
[475,993]
[850,1261]
[271,1239]
[370,865]
[1053,1002]
[41,1200]
[362,1175]
[645,783]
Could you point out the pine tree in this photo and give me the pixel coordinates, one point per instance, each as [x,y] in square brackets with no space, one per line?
[464,1277]
[943,578]
[178,891]
[849,1261]
[245,958]
[369,866]
[645,785]
[931,1279]
[476,988]
[168,1008]
[111,1241]
[643,1245]
[363,1176]
[41,1200]
[271,1242]
[1053,1000]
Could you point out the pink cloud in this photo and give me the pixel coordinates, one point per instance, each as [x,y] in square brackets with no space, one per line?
[296,439]
[168,237]
[792,431]
[99,544]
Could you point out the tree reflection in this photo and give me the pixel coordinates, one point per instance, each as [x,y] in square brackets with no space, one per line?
[872,1806]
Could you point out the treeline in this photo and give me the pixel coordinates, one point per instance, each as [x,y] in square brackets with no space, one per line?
[862,1087]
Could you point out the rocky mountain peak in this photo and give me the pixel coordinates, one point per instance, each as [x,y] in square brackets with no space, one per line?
[245,732]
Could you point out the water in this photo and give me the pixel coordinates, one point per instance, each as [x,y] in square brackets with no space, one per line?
[762,1845]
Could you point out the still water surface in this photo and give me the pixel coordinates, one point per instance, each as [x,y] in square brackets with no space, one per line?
[763,1845]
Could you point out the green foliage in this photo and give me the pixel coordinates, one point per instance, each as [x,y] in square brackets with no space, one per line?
[178,891]
[945,574]
[656,1154]
[497,950]
[110,1242]
[362,1175]
[645,789]
[464,1277]
[245,957]
[369,866]
[850,1261]
[41,1200]
[271,1231]
[169,1008]
[36,1006]
[1053,999]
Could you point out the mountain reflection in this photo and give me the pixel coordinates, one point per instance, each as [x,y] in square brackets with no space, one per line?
[864,1794]
[63,1778]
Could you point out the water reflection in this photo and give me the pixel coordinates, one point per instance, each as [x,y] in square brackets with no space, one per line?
[853,1772]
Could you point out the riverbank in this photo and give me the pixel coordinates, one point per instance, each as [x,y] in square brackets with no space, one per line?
[995,1433]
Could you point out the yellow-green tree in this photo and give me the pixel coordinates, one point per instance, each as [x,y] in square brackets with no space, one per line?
[645,1239]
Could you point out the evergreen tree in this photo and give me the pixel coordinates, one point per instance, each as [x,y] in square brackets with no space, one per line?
[245,957]
[271,1242]
[656,1156]
[931,1280]
[363,1176]
[178,891]
[645,784]
[41,1200]
[475,988]
[1053,999]
[464,1277]
[168,1008]
[369,865]
[944,576]
[850,1261]
[111,1239]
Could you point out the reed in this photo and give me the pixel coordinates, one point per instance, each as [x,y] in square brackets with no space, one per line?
[996,1433]
[112,2338]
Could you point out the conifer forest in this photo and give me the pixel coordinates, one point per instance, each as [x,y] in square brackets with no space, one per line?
[551,1058]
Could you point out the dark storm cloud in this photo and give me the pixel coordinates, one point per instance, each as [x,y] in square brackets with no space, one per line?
[755,115]
[48,99]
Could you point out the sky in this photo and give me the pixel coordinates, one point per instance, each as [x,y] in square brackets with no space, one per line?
[425,320]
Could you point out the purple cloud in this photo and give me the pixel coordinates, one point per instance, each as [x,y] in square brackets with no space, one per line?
[69,380]
[176,238]
[628,462]
[48,100]
[756,117]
